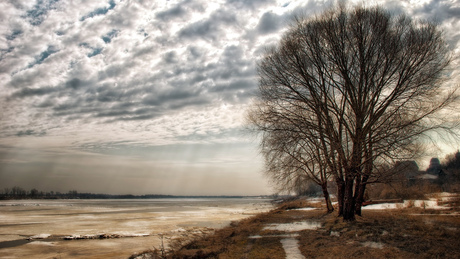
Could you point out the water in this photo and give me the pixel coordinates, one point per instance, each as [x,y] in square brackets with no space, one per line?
[137,222]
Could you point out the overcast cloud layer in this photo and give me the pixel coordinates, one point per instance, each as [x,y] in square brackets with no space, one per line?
[143,96]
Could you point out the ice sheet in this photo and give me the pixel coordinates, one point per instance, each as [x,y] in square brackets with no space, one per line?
[137,222]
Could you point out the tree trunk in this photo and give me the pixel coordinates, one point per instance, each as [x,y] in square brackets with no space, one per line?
[330,208]
[360,194]
[360,198]
[340,194]
[357,197]
[348,200]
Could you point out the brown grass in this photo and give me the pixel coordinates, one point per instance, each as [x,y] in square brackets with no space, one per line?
[407,233]
[399,234]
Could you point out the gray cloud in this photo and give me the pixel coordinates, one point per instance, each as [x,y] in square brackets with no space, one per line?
[210,28]
[150,72]
[250,3]
[75,83]
[243,84]
[27,92]
[176,11]
[29,132]
[269,22]
[439,10]
[170,57]
[120,79]
[181,10]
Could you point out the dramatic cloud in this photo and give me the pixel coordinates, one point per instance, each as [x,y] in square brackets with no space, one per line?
[83,79]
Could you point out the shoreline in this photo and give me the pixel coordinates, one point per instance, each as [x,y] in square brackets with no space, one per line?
[395,232]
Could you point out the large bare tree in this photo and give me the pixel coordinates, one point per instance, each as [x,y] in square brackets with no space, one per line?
[345,91]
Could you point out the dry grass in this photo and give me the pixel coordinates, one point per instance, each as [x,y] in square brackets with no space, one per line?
[383,234]
[407,233]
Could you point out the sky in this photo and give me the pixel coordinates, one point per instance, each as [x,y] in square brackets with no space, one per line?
[145,96]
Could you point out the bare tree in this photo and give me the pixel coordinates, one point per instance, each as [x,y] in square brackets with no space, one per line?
[293,153]
[347,91]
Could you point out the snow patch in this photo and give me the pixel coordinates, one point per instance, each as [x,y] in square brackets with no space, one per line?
[384,206]
[373,245]
[424,204]
[291,247]
[305,209]
[335,234]
[295,226]
[284,235]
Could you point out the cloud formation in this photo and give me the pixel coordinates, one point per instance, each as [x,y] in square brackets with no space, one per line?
[154,73]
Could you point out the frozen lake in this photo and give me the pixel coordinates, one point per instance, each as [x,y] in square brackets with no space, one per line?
[139,223]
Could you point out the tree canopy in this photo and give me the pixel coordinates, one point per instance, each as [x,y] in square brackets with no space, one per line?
[345,91]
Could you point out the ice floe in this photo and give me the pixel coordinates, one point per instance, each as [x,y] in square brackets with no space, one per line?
[39,236]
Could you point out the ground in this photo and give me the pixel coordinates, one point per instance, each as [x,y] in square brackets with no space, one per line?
[292,232]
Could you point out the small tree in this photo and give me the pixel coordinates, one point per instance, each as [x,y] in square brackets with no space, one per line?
[452,167]
[346,91]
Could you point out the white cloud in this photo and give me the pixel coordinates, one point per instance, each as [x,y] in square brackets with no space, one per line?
[154,73]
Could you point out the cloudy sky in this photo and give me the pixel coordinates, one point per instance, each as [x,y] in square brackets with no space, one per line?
[144,96]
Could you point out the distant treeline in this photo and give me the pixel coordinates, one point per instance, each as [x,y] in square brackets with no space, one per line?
[18,193]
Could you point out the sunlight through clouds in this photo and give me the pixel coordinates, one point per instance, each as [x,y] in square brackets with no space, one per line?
[83,79]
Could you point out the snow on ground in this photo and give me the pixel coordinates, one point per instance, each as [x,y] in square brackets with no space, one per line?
[282,235]
[305,209]
[426,204]
[443,196]
[291,247]
[293,227]
[431,203]
[376,245]
[290,242]
[384,206]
